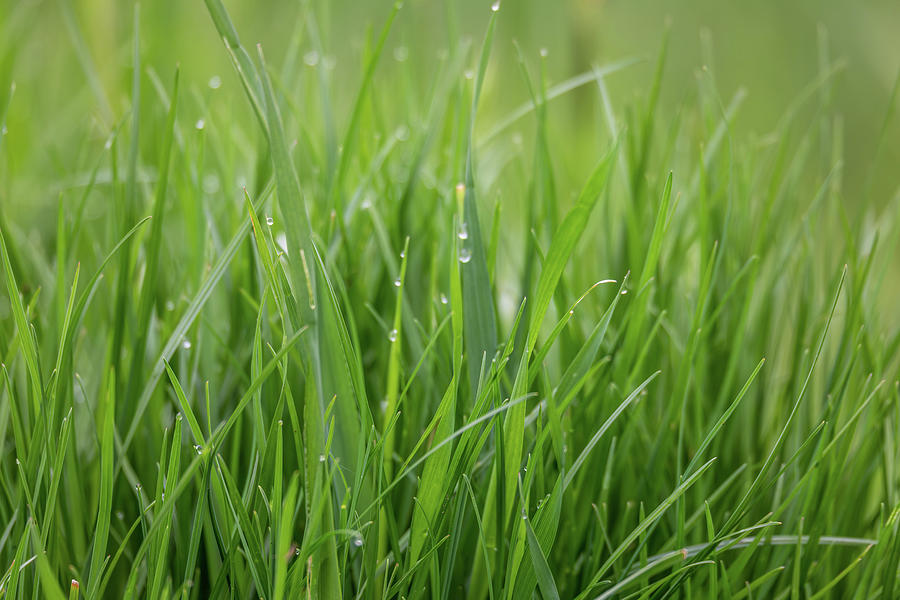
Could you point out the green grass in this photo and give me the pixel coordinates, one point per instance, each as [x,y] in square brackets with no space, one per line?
[390,346]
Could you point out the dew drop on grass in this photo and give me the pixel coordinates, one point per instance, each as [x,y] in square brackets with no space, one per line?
[444,299]
[624,292]
[401,53]
[464,255]
[198,448]
[463,232]
[402,254]
[321,458]
[311,58]
[170,306]
[470,74]
[402,133]
[215,82]
[3,130]
[357,541]
[392,335]
[270,221]
[397,282]
[210,183]
[544,53]
[186,344]
[200,124]
[495,6]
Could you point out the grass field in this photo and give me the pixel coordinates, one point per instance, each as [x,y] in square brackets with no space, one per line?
[381,319]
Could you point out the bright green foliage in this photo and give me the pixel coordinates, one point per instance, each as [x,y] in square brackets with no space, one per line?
[293,351]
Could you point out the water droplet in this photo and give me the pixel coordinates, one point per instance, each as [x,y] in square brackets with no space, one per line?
[210,183]
[624,292]
[3,130]
[321,458]
[108,144]
[464,255]
[397,282]
[469,74]
[297,552]
[200,124]
[392,335]
[401,53]
[270,221]
[198,448]
[138,487]
[544,52]
[571,312]
[311,58]
[402,254]
[215,82]
[170,306]
[444,299]
[495,6]
[463,232]
[357,541]
[402,133]
[186,344]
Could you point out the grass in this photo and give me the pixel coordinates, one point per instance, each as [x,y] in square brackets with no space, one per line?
[398,351]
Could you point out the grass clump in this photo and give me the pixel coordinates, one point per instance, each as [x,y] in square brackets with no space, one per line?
[280,353]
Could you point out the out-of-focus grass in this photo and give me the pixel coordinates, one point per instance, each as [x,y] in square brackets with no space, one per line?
[437,301]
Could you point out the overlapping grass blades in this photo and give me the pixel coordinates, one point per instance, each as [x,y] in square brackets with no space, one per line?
[456,357]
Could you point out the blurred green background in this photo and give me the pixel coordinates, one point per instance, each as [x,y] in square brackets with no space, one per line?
[772,49]
[71,63]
